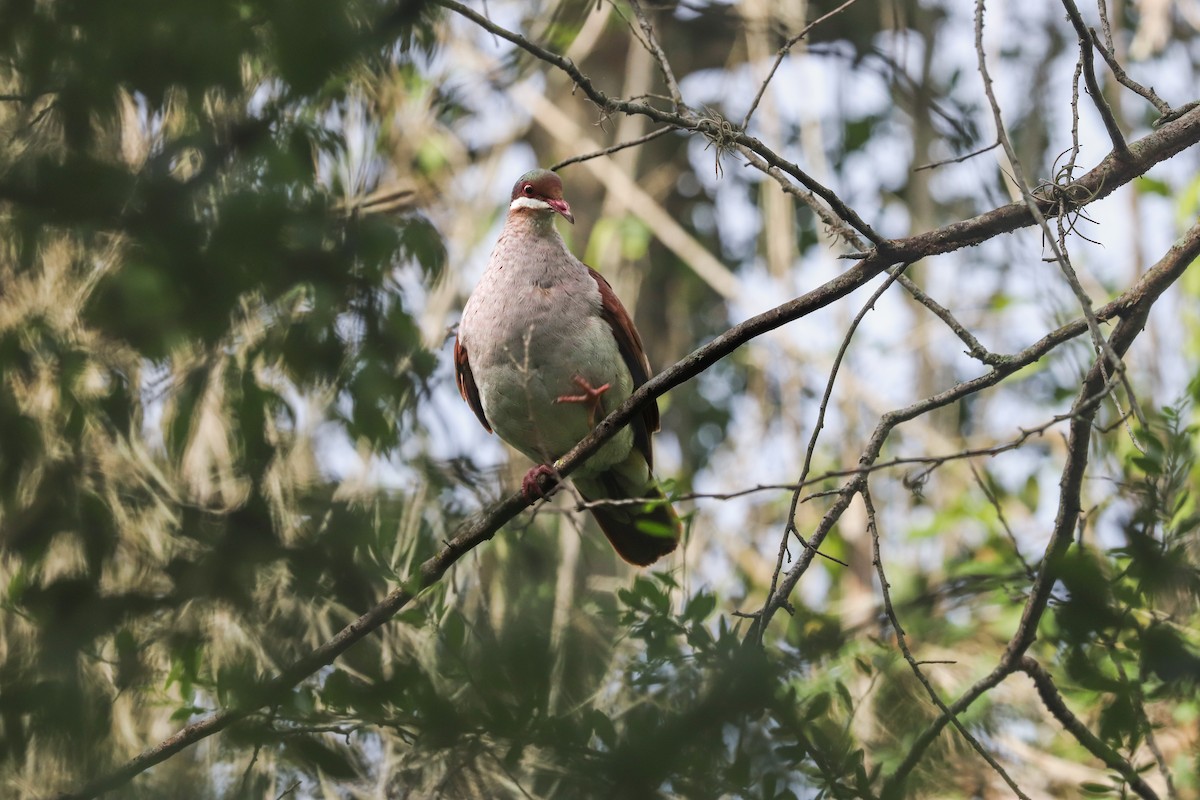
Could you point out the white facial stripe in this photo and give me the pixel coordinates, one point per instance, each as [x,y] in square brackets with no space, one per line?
[529,202]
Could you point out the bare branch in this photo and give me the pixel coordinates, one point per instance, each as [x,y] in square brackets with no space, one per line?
[974,348]
[1092,743]
[789,528]
[1142,297]
[1109,54]
[902,641]
[664,66]
[1162,275]
[1102,9]
[1093,85]
[783,51]
[958,159]
[999,509]
[649,137]
[835,225]
[893,785]
[1132,306]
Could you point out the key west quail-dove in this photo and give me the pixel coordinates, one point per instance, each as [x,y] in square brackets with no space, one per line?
[544,351]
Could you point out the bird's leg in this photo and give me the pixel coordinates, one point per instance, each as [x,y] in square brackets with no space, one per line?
[531,484]
[590,397]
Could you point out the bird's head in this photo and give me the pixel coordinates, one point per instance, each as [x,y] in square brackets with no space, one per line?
[540,190]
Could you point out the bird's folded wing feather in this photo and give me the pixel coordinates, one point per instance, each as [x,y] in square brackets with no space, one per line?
[634,353]
[466,382]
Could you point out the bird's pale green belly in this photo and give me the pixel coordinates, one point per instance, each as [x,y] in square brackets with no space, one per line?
[533,367]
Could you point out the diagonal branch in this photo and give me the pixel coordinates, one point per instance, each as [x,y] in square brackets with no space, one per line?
[974,349]
[1093,85]
[1057,706]
[1169,268]
[902,641]
[1108,53]
[607,151]
[664,66]
[782,54]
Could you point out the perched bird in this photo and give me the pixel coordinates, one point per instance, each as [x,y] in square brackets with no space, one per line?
[544,351]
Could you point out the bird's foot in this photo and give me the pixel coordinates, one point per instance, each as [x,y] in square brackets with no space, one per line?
[590,397]
[533,486]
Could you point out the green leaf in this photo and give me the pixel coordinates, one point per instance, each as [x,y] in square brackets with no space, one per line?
[184,713]
[1145,184]
[817,706]
[1097,788]
[699,607]
[844,694]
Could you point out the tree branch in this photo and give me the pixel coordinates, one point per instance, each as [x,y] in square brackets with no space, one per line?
[783,51]
[613,149]
[1147,290]
[789,527]
[1093,85]
[664,66]
[1091,742]
[902,641]
[1107,52]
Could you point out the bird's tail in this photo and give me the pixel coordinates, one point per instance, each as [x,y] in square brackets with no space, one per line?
[640,532]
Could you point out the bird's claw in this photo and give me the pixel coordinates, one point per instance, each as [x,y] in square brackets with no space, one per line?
[590,397]
[531,485]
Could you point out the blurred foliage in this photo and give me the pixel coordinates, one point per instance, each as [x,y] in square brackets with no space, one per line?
[178,279]
[204,316]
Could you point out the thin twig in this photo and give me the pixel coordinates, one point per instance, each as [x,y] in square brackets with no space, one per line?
[610,150]
[930,463]
[1102,10]
[995,501]
[902,641]
[289,790]
[789,528]
[783,51]
[1072,160]
[974,349]
[959,159]
[664,66]
[1089,76]
[1110,58]
[832,222]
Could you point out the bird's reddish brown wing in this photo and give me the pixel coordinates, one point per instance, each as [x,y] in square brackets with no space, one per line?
[634,353]
[466,382]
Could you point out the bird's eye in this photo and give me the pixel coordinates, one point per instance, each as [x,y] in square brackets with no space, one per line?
[528,189]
